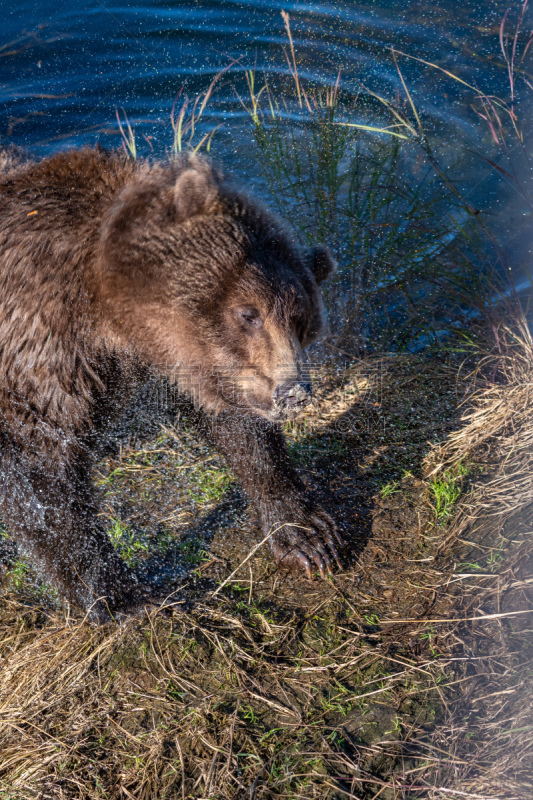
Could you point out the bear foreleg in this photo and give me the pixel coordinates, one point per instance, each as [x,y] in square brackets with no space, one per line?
[301,533]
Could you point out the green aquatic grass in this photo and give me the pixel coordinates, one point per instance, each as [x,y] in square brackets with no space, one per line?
[357,171]
[406,245]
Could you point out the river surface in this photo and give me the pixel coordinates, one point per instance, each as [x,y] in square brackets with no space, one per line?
[66,67]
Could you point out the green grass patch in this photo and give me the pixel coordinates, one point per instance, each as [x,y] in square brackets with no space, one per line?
[192,552]
[131,545]
[208,485]
[390,488]
[445,491]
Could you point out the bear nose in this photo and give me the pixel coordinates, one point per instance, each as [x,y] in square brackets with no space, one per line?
[293,394]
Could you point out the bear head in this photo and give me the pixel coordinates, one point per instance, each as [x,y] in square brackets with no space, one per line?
[210,289]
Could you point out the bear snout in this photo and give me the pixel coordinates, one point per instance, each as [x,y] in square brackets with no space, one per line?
[292,396]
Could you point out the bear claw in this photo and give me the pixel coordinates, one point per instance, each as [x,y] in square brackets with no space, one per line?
[310,545]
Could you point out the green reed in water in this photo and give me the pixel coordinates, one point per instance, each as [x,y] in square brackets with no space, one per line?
[358,171]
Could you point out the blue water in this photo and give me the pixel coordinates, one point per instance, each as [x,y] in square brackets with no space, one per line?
[65,67]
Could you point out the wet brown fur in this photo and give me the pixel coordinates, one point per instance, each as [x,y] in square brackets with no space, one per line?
[110,270]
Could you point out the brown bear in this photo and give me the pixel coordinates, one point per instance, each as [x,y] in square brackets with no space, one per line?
[111,270]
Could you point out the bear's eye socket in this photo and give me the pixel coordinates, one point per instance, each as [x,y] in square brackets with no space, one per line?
[250,317]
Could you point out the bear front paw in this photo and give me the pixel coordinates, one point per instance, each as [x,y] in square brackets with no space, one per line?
[304,535]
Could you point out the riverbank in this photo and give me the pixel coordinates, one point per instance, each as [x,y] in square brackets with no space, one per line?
[405,675]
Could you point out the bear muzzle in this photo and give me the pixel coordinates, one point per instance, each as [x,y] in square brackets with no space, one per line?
[291,397]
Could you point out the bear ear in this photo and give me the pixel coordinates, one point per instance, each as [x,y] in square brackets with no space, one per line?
[195,190]
[322,263]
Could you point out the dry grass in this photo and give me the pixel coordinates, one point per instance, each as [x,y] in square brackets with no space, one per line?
[490,732]
[497,429]
[205,707]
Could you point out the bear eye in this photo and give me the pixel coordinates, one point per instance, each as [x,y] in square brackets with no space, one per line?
[250,317]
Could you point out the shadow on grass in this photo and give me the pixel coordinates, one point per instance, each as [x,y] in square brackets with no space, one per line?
[184,556]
